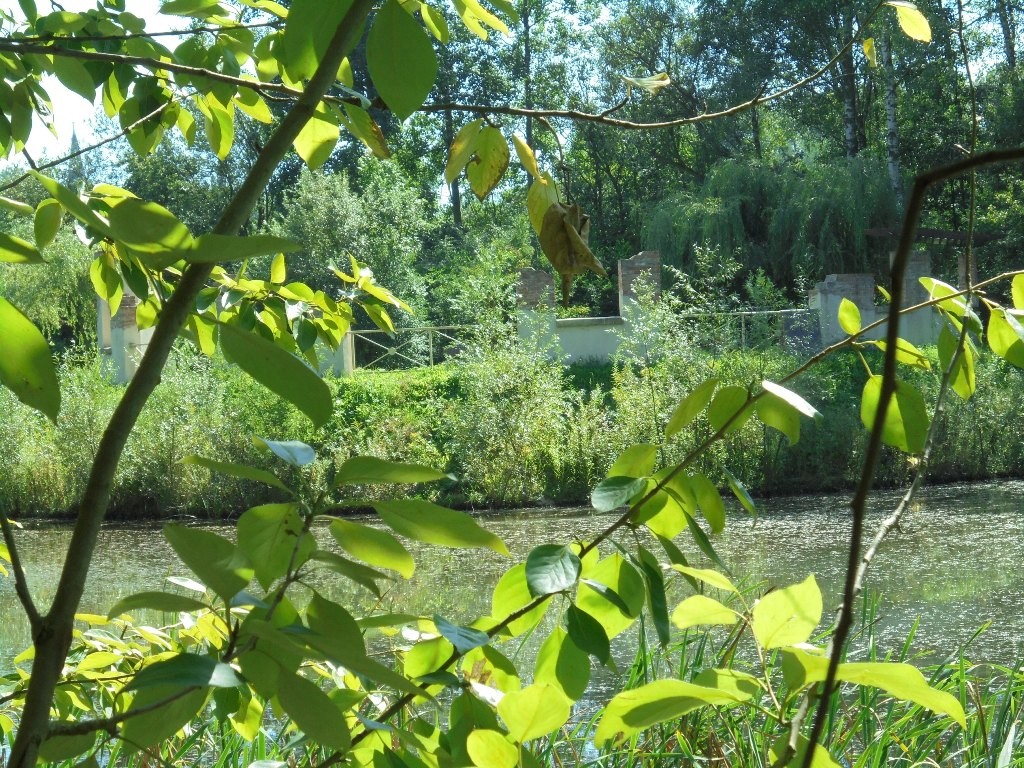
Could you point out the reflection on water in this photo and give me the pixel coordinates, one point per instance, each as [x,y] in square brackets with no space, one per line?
[955,563]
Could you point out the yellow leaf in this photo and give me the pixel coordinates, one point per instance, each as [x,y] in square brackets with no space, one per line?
[542,195]
[870,52]
[462,149]
[491,161]
[526,156]
[912,21]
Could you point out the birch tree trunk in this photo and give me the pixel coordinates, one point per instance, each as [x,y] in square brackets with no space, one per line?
[892,141]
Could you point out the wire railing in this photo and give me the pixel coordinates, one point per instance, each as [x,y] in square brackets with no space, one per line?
[422,346]
[409,347]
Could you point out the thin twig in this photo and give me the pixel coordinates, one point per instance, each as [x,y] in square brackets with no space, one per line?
[109,724]
[859,505]
[20,580]
[66,158]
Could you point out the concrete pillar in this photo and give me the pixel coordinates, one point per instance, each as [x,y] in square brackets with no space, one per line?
[827,295]
[645,265]
[340,361]
[121,343]
[922,326]
[535,301]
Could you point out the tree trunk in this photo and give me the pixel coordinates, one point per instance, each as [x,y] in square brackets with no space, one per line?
[755,129]
[892,144]
[527,69]
[848,89]
[1008,26]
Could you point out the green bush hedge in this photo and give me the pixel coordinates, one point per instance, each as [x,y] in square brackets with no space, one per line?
[515,428]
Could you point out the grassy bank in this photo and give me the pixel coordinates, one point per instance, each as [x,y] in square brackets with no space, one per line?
[515,429]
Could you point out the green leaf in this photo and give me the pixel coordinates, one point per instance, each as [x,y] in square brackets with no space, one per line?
[318,137]
[294,452]
[551,568]
[148,227]
[963,378]
[732,401]
[710,502]
[560,662]
[657,601]
[535,711]
[787,616]
[618,575]
[713,578]
[362,126]
[849,317]
[75,76]
[106,281]
[73,204]
[702,541]
[587,634]
[905,682]
[57,749]
[741,493]
[1006,336]
[635,461]
[913,23]
[337,632]
[279,371]
[798,403]
[272,536]
[307,34]
[423,521]
[490,749]
[26,365]
[511,594]
[218,249]
[907,354]
[1017,290]
[215,561]
[166,602]
[17,206]
[49,216]
[400,59]
[691,407]
[436,23]
[313,711]
[14,250]
[186,670]
[820,759]
[608,594]
[699,610]
[237,470]
[870,52]
[156,725]
[462,149]
[614,492]
[463,639]
[632,711]
[906,420]
[360,470]
[373,546]
[485,170]
[350,569]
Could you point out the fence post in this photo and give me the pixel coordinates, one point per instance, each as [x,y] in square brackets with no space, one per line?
[743,331]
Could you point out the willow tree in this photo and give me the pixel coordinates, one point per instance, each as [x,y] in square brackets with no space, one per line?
[251,643]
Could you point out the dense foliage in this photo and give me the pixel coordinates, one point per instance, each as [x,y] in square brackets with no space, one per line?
[720,145]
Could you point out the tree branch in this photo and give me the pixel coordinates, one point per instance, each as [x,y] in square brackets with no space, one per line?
[20,581]
[54,637]
[859,504]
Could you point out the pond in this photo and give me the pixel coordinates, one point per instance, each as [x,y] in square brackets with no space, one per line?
[955,564]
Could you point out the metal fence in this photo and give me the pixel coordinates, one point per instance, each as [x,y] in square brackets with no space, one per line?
[409,347]
[754,329]
[793,329]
